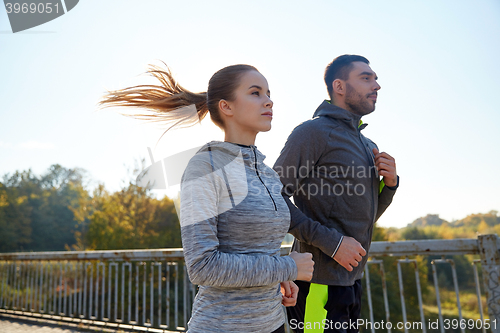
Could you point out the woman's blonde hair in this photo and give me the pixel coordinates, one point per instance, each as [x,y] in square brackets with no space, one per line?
[171,103]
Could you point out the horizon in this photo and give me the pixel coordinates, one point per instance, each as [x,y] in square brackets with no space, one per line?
[92,184]
[436,112]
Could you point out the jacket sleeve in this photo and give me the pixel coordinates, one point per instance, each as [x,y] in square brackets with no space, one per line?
[385,197]
[312,232]
[301,151]
[206,265]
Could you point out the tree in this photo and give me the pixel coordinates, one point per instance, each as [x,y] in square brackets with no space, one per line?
[36,212]
[130,219]
[15,228]
[411,233]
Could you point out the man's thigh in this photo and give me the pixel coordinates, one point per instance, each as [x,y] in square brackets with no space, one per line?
[337,307]
[343,308]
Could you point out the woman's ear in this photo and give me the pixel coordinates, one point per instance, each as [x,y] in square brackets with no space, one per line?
[225,108]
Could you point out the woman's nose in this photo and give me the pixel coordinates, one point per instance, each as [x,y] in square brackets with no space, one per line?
[269,102]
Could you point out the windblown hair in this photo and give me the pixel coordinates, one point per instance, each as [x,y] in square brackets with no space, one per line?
[174,105]
[340,68]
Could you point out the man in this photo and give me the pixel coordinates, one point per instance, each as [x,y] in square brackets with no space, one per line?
[337,177]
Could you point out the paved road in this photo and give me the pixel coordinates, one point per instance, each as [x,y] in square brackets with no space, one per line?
[13,326]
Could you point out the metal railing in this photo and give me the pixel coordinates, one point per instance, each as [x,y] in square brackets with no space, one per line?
[150,290]
[485,246]
[136,289]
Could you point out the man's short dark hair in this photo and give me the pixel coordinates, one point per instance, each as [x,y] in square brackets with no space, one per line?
[340,68]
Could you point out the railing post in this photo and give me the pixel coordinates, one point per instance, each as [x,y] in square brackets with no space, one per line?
[490,260]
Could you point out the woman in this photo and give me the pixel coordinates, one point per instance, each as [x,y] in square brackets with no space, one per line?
[233,217]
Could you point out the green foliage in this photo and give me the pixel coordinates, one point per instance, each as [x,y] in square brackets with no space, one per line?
[56,211]
[433,227]
[35,212]
[390,265]
[130,219]
[15,228]
[379,234]
[428,220]
[413,233]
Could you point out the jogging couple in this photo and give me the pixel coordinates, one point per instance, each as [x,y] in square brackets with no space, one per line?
[235,210]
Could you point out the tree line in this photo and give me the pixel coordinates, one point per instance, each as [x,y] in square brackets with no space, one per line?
[57,211]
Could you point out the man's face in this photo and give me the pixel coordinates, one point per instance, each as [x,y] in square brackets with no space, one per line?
[361,89]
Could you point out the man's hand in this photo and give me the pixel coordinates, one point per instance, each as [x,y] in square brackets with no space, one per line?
[290,291]
[349,254]
[386,167]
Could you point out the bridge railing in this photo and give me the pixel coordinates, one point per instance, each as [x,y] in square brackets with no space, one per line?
[485,254]
[150,290]
[130,289]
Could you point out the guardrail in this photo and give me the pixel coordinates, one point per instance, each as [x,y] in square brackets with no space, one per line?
[485,246]
[129,289]
[149,289]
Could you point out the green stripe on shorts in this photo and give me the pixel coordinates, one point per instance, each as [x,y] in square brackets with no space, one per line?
[315,312]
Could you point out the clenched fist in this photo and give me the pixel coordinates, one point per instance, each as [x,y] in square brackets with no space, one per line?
[305,265]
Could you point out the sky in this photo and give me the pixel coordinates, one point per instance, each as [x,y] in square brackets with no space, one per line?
[436,114]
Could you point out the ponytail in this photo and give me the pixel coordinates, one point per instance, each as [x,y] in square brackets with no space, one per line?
[169,102]
[175,105]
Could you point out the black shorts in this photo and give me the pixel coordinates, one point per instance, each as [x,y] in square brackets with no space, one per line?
[322,308]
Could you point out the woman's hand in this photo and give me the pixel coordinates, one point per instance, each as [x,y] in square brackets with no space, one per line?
[305,265]
[290,291]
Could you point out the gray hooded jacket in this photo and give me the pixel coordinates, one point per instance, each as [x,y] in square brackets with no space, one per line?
[327,165]
[233,219]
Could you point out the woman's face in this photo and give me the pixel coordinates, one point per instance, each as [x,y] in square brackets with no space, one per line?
[252,106]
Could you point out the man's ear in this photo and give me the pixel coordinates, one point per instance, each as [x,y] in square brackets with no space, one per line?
[225,108]
[338,87]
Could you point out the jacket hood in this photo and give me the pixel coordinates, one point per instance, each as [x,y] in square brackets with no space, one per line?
[330,110]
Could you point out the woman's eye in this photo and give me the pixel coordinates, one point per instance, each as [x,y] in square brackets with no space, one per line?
[256,93]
